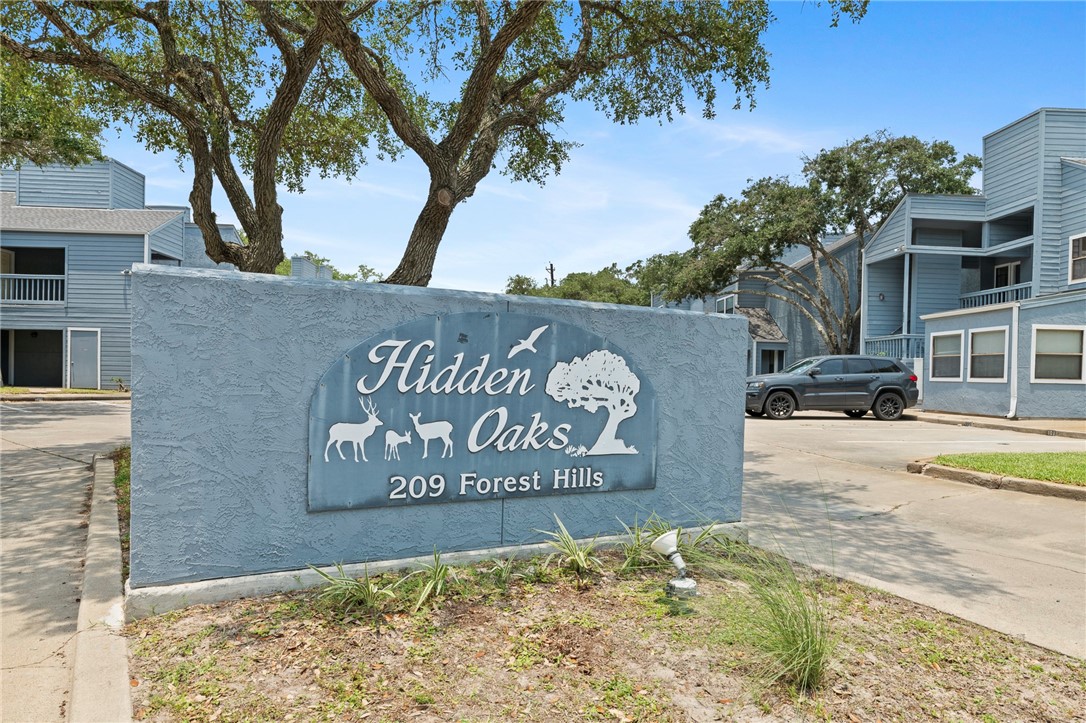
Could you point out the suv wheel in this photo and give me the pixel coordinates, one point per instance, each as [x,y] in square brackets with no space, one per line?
[753,413]
[855,413]
[888,407]
[780,405]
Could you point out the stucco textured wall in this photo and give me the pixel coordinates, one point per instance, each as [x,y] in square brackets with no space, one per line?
[1041,399]
[965,397]
[225,365]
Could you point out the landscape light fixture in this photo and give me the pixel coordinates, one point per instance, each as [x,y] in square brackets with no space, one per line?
[667,545]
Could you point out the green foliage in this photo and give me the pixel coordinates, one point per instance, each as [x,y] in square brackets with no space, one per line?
[280,91]
[434,577]
[503,571]
[42,119]
[1064,467]
[346,593]
[364,273]
[576,556]
[788,623]
[608,285]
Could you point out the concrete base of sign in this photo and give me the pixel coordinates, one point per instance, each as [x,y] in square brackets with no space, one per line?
[144,602]
[682,587]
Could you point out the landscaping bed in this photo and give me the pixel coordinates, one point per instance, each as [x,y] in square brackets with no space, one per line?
[531,642]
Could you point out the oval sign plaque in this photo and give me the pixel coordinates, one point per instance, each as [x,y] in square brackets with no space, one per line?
[479,406]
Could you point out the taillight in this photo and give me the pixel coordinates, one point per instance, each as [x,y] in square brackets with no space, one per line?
[912,378]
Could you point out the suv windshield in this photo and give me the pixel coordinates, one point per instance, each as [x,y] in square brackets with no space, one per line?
[801,366]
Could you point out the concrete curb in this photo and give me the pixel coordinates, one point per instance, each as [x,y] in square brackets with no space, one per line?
[998,482]
[100,684]
[62,397]
[144,602]
[1008,425]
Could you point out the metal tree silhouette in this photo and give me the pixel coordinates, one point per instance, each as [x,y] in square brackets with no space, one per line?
[600,380]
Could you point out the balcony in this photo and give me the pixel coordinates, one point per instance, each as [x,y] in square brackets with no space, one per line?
[896,346]
[33,289]
[1002,295]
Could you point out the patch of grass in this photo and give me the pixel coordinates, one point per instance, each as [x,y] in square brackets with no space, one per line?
[57,390]
[1063,467]
[122,481]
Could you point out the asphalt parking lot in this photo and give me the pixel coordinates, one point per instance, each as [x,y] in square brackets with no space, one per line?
[832,491]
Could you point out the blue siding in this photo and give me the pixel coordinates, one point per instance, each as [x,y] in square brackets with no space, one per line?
[1073,196]
[748,300]
[195,253]
[936,286]
[59,186]
[1012,164]
[97,293]
[1064,136]
[99,184]
[170,239]
[126,186]
[302,268]
[892,233]
[9,180]
[937,237]
[885,316]
[957,208]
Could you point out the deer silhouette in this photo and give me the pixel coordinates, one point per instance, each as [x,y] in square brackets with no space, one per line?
[433,430]
[356,434]
[393,441]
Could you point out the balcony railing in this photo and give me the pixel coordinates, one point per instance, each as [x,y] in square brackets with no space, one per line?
[32,289]
[1002,295]
[896,346]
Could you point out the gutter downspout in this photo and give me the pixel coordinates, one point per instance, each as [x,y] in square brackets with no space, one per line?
[1014,362]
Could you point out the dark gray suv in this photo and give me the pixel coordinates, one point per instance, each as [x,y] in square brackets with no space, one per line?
[849,384]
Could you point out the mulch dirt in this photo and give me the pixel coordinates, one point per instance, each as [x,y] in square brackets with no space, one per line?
[614,650]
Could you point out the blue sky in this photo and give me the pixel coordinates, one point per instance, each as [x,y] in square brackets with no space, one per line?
[951,71]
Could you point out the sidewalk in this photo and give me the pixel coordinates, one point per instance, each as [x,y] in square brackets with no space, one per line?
[1074,428]
[50,394]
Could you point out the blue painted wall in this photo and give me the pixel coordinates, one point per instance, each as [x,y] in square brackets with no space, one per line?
[1035,399]
[1048,399]
[220,418]
[987,398]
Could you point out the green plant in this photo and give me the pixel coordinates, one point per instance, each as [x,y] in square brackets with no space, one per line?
[434,578]
[503,571]
[347,593]
[576,556]
[637,548]
[788,623]
[120,384]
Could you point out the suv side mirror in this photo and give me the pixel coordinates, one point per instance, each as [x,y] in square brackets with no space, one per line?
[814,372]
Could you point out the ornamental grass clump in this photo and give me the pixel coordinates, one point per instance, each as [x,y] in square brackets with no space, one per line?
[434,577]
[576,556]
[789,623]
[347,594]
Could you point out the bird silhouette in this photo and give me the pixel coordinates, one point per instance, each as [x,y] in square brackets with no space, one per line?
[527,344]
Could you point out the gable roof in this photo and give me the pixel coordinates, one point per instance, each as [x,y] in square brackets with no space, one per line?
[80,220]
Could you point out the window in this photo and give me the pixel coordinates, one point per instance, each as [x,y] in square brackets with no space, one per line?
[946,357]
[726,304]
[832,367]
[988,355]
[1057,354]
[1008,274]
[1077,261]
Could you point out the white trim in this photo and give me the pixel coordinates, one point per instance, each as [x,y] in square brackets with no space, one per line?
[1071,259]
[969,365]
[724,298]
[1010,274]
[974,310]
[960,333]
[68,355]
[1033,354]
